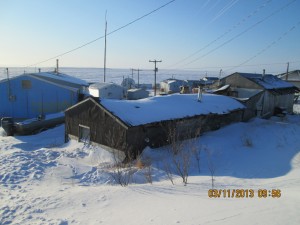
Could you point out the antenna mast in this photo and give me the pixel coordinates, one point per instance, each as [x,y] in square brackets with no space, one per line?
[105,47]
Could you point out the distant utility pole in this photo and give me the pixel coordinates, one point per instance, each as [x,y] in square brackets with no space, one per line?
[105,48]
[132,73]
[220,74]
[138,70]
[287,71]
[155,71]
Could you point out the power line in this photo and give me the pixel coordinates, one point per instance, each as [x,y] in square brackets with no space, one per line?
[114,31]
[226,32]
[268,46]
[243,32]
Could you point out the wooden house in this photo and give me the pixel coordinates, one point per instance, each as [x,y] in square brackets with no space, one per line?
[264,95]
[131,125]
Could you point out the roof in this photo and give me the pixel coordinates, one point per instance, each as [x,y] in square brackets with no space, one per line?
[60,78]
[55,78]
[292,75]
[168,107]
[103,85]
[267,81]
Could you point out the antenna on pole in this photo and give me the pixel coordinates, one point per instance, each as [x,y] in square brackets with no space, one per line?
[105,46]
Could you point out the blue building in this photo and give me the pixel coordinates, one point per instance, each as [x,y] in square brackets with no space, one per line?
[31,95]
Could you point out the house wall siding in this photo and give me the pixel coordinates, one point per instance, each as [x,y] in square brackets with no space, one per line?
[238,81]
[34,98]
[107,130]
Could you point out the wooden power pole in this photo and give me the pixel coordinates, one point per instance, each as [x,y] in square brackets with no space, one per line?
[287,71]
[155,71]
[105,49]
[138,70]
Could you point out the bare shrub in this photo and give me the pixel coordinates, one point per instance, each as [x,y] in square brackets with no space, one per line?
[247,142]
[145,164]
[122,172]
[181,156]
[148,174]
[168,170]
[211,167]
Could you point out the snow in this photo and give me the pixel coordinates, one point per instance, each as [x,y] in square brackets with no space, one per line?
[62,77]
[169,107]
[268,81]
[46,181]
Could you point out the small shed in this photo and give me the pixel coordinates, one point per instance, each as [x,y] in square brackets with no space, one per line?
[170,86]
[134,94]
[267,93]
[131,125]
[106,90]
[34,94]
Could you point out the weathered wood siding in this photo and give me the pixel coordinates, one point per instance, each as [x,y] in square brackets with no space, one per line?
[238,81]
[106,129]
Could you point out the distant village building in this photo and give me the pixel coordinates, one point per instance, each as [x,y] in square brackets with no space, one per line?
[264,95]
[137,93]
[170,86]
[106,90]
[292,77]
[209,81]
[131,125]
[37,94]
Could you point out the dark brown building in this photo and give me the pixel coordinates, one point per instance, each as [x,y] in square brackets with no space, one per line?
[130,126]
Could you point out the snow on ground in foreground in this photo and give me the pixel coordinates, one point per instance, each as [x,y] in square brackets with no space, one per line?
[44,181]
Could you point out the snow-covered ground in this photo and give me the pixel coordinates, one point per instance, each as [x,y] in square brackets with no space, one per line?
[44,181]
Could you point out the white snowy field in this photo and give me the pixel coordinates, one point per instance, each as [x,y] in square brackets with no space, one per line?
[44,181]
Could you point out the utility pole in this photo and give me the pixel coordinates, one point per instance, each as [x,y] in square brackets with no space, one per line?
[132,73]
[138,70]
[57,66]
[287,71]
[105,48]
[155,71]
[220,74]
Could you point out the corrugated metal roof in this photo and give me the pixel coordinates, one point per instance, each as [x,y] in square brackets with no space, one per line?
[60,79]
[267,81]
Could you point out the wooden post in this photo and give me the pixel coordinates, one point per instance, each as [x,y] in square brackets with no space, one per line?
[155,71]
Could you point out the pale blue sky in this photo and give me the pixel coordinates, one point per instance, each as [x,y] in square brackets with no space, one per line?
[226,34]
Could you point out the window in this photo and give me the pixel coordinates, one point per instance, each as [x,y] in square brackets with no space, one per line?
[84,134]
[26,84]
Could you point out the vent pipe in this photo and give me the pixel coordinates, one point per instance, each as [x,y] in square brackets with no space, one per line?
[56,66]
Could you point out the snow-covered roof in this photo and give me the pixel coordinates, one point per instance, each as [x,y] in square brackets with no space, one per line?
[168,107]
[292,75]
[267,81]
[103,85]
[60,78]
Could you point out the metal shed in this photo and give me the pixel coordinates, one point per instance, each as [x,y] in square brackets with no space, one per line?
[31,95]
[106,90]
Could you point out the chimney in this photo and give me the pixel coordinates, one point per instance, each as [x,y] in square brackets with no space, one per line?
[264,72]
